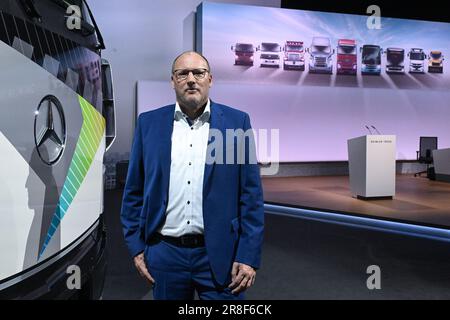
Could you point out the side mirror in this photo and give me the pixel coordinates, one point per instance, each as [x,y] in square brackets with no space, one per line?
[108,104]
[232,48]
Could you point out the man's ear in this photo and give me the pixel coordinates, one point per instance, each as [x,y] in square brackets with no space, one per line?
[210,80]
[172,82]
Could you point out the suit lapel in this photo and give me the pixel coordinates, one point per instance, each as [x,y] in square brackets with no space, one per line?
[165,145]
[216,122]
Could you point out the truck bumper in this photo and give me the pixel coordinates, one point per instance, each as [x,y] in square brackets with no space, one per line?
[320,69]
[270,63]
[243,62]
[435,69]
[294,65]
[348,70]
[48,279]
[395,69]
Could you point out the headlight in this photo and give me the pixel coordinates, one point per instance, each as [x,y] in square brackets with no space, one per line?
[339,66]
[354,66]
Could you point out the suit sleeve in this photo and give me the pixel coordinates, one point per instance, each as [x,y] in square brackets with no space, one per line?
[251,205]
[133,196]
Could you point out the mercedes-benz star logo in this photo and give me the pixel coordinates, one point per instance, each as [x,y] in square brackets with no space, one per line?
[50,130]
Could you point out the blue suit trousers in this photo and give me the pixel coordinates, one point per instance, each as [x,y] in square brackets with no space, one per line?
[180,272]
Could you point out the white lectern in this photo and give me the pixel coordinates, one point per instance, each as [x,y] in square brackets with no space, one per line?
[371,162]
[441,161]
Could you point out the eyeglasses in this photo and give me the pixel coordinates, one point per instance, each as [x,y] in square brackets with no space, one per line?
[183,74]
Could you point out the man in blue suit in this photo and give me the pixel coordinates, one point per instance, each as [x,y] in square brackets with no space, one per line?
[192,211]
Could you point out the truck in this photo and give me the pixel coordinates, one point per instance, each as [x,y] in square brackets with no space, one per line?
[346,57]
[436,62]
[270,54]
[416,60]
[321,55]
[243,54]
[371,59]
[395,60]
[294,55]
[56,123]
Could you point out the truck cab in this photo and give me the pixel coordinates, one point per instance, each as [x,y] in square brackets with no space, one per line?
[294,55]
[321,55]
[395,58]
[243,54]
[416,60]
[346,57]
[270,54]
[436,62]
[371,59]
[53,143]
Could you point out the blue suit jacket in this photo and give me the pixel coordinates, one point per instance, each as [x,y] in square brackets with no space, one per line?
[233,208]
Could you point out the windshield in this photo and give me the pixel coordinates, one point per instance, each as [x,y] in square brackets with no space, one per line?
[271,47]
[346,49]
[395,57]
[436,56]
[244,47]
[294,48]
[371,55]
[416,56]
[321,49]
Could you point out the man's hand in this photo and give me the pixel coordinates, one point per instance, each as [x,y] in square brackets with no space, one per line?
[242,277]
[139,263]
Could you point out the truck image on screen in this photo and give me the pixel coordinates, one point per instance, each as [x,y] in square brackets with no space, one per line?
[56,123]
[270,54]
[346,57]
[320,56]
[416,60]
[436,62]
[294,55]
[395,59]
[243,54]
[371,59]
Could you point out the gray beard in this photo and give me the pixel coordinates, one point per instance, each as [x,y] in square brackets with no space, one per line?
[191,104]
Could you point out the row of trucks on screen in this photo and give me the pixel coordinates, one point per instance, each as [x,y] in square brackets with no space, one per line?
[292,54]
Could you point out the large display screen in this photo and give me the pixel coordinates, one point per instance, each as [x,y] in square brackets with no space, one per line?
[323,78]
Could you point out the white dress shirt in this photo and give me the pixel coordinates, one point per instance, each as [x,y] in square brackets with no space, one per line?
[184,214]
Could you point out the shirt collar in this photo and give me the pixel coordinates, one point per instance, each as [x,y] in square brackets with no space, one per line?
[204,117]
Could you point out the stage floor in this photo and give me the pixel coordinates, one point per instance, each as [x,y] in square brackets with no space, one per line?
[418,200]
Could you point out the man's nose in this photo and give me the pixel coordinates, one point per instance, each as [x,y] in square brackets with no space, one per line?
[190,77]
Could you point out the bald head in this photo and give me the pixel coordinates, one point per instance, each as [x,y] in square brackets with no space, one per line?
[189,53]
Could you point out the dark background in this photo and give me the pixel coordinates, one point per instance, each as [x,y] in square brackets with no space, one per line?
[419,10]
